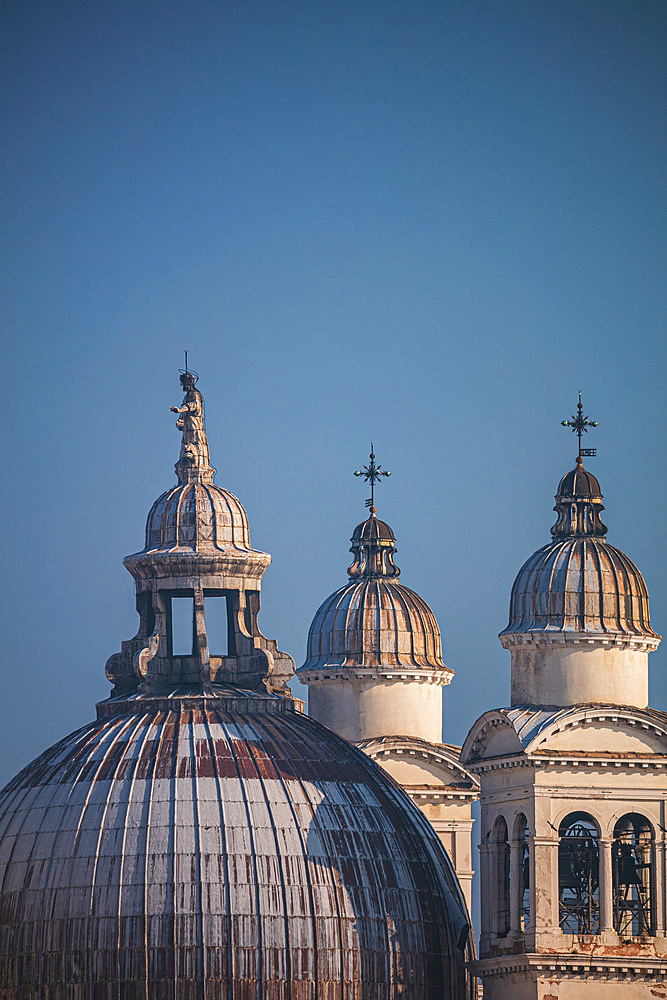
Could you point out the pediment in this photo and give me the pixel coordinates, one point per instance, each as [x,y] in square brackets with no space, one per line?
[493,735]
[620,734]
[418,762]
[603,729]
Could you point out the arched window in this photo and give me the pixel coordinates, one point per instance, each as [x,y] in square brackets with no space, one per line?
[633,877]
[502,859]
[523,834]
[578,875]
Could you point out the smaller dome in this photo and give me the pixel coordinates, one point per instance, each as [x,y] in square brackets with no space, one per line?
[372,530]
[198,516]
[580,583]
[579,483]
[374,621]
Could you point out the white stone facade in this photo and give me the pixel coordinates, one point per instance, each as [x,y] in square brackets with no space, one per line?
[544,766]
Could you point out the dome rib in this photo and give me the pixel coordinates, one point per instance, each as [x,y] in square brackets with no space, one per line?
[253,854]
[277,776]
[225,856]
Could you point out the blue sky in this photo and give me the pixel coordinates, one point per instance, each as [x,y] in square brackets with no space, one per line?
[426,223]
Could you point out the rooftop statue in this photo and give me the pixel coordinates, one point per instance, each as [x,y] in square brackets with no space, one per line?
[194,457]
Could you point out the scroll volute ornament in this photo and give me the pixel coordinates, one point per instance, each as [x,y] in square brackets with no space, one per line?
[373,555]
[579,506]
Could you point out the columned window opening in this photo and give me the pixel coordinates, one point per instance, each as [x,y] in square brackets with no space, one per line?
[578,875]
[181,625]
[502,860]
[524,874]
[633,876]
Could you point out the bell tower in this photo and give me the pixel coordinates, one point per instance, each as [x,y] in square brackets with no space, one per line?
[574,774]
[375,675]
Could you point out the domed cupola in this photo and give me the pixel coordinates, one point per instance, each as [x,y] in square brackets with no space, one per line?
[376,635]
[203,837]
[197,516]
[198,582]
[583,604]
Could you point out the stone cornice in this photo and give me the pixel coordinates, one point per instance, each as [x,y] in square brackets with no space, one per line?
[431,795]
[579,966]
[336,672]
[609,640]
[657,762]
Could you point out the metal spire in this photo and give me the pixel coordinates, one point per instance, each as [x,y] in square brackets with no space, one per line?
[580,425]
[372,474]
[188,371]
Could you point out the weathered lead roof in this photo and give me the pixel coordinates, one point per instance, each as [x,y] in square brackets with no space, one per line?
[534,725]
[374,621]
[579,582]
[193,851]
[197,516]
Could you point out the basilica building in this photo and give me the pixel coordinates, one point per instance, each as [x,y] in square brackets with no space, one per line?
[206,839]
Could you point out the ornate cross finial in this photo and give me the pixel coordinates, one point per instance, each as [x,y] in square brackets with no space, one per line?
[372,473]
[580,425]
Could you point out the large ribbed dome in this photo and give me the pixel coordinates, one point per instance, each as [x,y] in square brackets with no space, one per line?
[204,840]
[221,847]
[580,583]
[374,621]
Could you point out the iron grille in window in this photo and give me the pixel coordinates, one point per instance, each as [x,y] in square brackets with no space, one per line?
[524,876]
[632,869]
[503,877]
[578,876]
